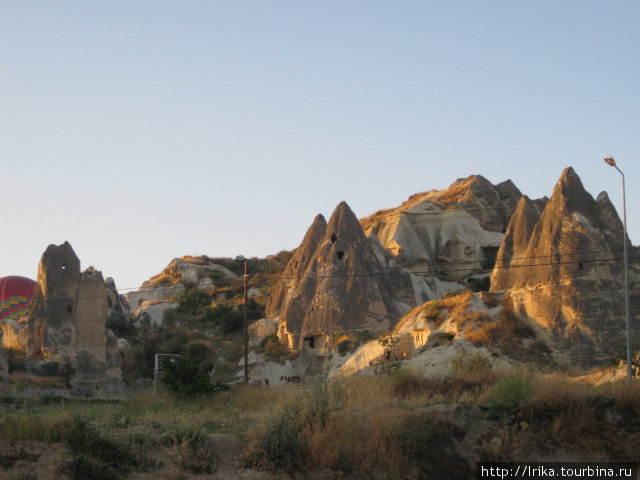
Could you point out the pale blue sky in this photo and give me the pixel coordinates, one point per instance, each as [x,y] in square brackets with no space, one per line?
[144,130]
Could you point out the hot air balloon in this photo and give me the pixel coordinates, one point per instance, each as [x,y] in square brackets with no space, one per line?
[15,295]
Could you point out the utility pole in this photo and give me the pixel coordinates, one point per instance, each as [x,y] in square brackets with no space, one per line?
[245,277]
[610,161]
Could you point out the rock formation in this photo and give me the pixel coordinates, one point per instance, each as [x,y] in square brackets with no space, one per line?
[446,236]
[172,282]
[4,363]
[562,267]
[67,320]
[337,280]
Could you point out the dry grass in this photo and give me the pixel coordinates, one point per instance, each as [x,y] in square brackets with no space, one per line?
[22,380]
[386,424]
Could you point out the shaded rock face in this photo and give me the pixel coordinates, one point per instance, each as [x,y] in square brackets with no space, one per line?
[562,267]
[337,280]
[452,234]
[67,323]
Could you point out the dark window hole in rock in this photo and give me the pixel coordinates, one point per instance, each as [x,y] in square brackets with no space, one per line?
[334,238]
[340,254]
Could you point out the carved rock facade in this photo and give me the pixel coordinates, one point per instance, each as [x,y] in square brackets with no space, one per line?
[67,324]
[338,280]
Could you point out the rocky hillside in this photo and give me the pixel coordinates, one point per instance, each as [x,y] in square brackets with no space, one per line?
[447,238]
[337,280]
[562,266]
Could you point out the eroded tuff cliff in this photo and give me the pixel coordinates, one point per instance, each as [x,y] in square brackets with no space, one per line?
[562,267]
[447,238]
[337,280]
[67,321]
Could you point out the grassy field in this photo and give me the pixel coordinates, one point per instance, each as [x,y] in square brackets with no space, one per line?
[396,425]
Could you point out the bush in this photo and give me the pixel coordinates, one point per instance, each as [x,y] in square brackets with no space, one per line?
[429,443]
[226,317]
[16,359]
[186,378]
[278,447]
[95,456]
[191,451]
[476,363]
[275,351]
[193,301]
[120,324]
[508,396]
[346,346]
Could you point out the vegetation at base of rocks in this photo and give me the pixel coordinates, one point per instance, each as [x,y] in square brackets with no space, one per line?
[456,293]
[120,324]
[184,377]
[359,425]
[508,397]
[275,351]
[475,363]
[346,346]
[481,284]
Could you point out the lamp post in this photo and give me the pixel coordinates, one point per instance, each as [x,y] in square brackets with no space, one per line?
[610,161]
[245,330]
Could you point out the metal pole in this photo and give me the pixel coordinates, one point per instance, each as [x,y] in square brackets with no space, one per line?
[626,282]
[246,331]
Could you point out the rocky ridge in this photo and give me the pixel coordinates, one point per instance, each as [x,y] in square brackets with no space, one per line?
[562,266]
[447,238]
[338,280]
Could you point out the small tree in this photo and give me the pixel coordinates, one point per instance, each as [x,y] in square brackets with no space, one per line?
[183,376]
[193,300]
[389,341]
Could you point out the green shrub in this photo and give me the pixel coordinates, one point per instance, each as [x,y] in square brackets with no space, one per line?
[273,350]
[16,359]
[95,456]
[429,444]
[226,317]
[508,396]
[193,300]
[432,309]
[364,336]
[120,324]
[278,447]
[186,378]
[346,346]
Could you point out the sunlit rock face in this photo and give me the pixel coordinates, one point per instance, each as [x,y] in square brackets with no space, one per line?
[4,363]
[446,235]
[67,324]
[338,280]
[175,278]
[562,266]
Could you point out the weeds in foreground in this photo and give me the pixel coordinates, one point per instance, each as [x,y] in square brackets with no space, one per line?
[190,450]
[94,455]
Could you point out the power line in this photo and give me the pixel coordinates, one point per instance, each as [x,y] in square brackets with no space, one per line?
[395,271]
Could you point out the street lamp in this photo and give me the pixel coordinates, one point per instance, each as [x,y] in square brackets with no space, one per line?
[610,161]
[245,330]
